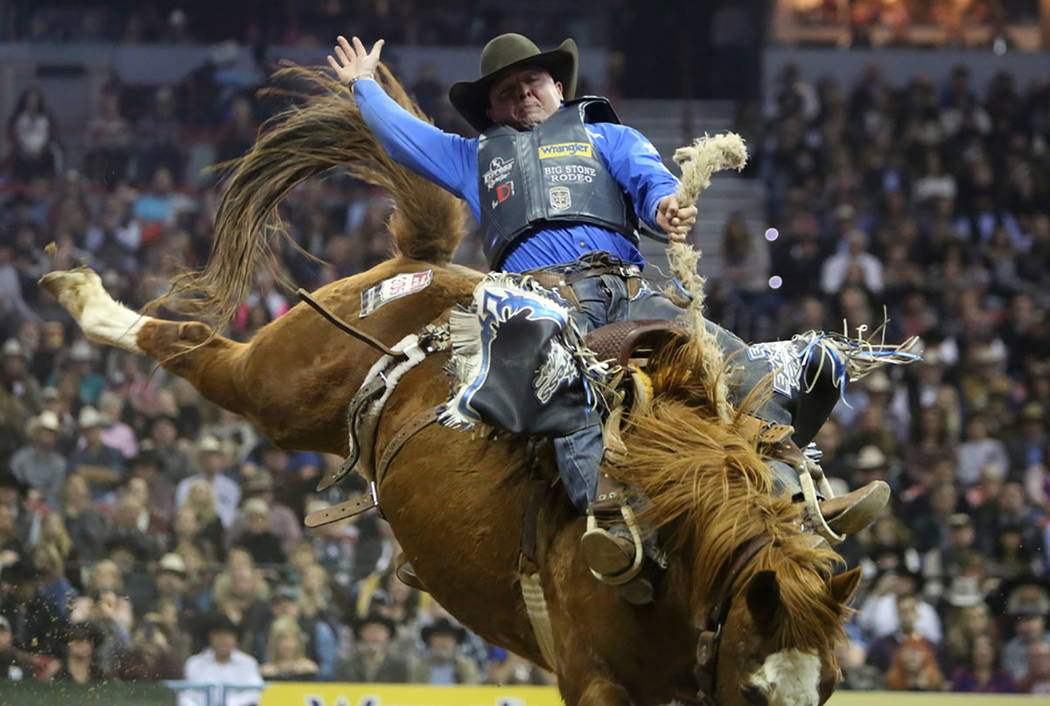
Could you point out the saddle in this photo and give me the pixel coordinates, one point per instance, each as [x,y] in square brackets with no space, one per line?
[625,340]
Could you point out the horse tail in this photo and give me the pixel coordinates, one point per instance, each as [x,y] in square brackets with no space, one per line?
[325,130]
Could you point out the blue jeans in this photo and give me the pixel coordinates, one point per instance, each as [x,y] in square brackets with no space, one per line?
[605,299]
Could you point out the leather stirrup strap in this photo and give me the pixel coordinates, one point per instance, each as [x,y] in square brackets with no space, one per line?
[537,490]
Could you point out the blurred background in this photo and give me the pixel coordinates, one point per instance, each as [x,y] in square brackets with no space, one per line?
[899,170]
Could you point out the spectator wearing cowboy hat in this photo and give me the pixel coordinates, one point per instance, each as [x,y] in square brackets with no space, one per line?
[283,522]
[222,663]
[257,538]
[35,625]
[81,360]
[373,659]
[212,461]
[169,578]
[39,465]
[81,664]
[443,663]
[1028,604]
[146,466]
[100,465]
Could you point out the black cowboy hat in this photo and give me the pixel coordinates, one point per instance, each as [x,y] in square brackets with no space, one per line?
[22,571]
[85,631]
[507,53]
[444,626]
[218,622]
[126,540]
[375,619]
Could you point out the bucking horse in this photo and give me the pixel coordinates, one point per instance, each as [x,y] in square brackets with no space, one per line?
[748,607]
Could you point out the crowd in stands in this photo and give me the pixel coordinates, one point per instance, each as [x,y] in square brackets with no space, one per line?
[925,203]
[146,534]
[298,22]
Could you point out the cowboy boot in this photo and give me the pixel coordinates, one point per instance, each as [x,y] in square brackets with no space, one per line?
[608,548]
[852,512]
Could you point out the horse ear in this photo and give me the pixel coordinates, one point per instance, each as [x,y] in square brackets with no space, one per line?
[842,586]
[763,600]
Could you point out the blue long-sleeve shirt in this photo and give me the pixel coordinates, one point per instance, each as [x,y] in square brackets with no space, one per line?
[451,161]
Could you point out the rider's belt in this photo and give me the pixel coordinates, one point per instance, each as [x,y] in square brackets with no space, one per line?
[562,282]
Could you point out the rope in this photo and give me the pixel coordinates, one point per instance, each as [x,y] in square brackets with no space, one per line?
[698,162]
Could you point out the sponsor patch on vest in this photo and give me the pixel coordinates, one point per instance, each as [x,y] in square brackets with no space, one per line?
[565,149]
[499,169]
[394,288]
[560,197]
[570,172]
[503,192]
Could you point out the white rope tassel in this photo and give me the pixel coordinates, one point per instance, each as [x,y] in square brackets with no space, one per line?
[698,162]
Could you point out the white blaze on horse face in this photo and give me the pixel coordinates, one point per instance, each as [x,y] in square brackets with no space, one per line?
[101,317]
[789,678]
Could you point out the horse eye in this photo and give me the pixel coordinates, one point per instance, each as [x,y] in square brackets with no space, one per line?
[753,695]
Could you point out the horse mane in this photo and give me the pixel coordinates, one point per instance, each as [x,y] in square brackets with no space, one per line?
[325,130]
[709,491]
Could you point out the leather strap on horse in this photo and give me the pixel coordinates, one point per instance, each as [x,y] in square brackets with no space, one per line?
[406,432]
[707,644]
[345,327]
[341,511]
[528,570]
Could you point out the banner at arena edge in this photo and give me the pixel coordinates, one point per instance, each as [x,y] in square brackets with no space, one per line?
[320,694]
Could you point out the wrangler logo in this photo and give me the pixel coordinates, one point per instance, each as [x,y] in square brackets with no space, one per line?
[565,149]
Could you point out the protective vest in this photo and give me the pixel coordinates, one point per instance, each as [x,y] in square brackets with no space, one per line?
[548,174]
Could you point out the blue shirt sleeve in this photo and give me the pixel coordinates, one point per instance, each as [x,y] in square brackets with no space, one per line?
[443,158]
[636,165]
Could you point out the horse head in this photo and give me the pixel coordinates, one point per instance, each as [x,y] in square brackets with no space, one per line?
[760,591]
[777,643]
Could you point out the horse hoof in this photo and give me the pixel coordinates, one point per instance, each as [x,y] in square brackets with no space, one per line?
[605,553]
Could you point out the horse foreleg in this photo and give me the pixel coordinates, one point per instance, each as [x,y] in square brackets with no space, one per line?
[187,349]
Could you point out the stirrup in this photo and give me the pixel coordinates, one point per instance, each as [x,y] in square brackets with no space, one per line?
[599,537]
[835,517]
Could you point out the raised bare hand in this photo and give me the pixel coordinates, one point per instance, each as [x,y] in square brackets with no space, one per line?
[350,62]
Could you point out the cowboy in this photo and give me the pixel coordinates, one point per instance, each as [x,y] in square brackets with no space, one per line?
[560,186]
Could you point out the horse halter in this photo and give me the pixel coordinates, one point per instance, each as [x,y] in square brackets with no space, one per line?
[706,670]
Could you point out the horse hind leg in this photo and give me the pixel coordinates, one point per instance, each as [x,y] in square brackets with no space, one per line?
[186,348]
[102,319]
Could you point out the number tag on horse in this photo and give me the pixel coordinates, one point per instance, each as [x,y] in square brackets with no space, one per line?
[394,288]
